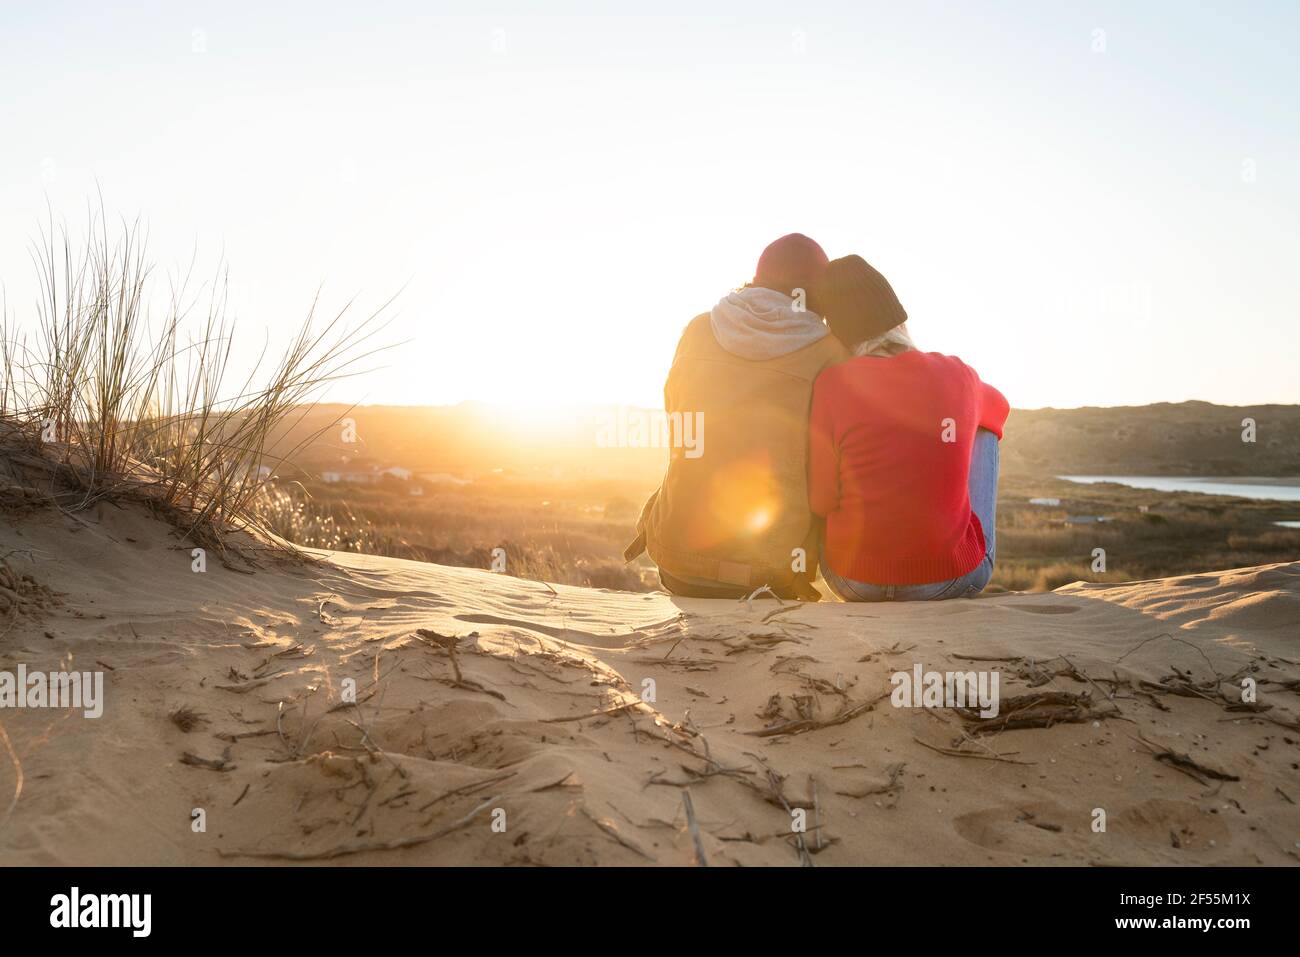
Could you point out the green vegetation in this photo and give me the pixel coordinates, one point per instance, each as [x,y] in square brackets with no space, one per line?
[572,530]
[1179,533]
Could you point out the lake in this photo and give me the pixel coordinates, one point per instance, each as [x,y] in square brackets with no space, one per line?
[1277,489]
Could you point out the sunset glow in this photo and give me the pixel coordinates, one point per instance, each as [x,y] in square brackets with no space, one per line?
[559,195]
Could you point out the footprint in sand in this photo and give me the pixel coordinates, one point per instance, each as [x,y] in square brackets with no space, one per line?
[1160,822]
[1045,828]
[1036,827]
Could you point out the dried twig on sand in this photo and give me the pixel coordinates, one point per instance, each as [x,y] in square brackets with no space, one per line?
[608,828]
[1040,709]
[693,826]
[778,791]
[448,644]
[18,774]
[595,714]
[212,764]
[689,664]
[958,753]
[802,725]
[786,609]
[250,685]
[739,644]
[1034,671]
[562,782]
[817,815]
[320,611]
[239,736]
[466,789]
[1185,763]
[1290,723]
[758,593]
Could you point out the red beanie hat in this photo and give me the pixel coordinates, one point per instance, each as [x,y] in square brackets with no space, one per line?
[793,261]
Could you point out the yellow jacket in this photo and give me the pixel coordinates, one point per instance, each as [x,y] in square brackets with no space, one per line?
[734,508]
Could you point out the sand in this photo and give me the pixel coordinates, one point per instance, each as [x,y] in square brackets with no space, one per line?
[575,726]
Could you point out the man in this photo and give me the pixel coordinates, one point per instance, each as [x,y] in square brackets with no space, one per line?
[733,516]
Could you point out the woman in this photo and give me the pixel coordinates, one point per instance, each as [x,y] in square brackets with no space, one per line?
[903,456]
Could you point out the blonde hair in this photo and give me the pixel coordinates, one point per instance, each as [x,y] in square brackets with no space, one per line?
[886,344]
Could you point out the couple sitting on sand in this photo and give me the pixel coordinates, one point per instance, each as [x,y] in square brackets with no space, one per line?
[832,441]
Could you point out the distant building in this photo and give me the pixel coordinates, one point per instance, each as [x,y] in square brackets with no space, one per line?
[364,472]
[247,473]
[350,476]
[442,478]
[1053,502]
[1085,519]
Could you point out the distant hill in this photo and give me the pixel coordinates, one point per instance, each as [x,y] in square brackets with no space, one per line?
[1187,438]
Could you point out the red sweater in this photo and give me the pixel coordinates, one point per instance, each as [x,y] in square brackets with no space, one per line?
[890,473]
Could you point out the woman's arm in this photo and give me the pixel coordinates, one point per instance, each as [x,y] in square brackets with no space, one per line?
[994,408]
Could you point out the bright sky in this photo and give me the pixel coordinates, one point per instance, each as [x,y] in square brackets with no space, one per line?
[1093,203]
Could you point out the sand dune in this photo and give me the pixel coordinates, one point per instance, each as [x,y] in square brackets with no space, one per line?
[501,721]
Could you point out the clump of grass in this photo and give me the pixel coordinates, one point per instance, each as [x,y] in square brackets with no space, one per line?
[1036,576]
[293,515]
[187,719]
[107,404]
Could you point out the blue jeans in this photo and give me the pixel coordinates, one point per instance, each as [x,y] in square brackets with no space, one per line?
[984,503]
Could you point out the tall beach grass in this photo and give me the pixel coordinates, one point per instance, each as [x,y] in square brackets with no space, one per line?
[116,391]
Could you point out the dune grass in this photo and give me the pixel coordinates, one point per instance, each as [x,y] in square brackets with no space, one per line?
[116,392]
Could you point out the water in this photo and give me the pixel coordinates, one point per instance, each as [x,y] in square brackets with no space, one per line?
[1288,524]
[1275,489]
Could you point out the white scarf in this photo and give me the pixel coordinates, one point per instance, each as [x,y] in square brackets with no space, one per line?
[758,323]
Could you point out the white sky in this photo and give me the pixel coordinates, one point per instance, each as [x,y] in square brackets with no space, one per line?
[564,192]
